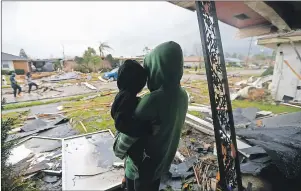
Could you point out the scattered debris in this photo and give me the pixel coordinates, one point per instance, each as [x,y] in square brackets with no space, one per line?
[35,124]
[84,127]
[283,145]
[263,114]
[64,76]
[244,116]
[103,80]
[291,105]
[90,86]
[97,149]
[60,108]
[35,155]
[200,109]
[50,179]
[252,88]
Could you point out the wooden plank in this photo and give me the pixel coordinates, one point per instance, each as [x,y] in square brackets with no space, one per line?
[200,121]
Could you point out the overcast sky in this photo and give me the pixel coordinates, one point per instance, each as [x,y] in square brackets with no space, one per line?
[41,28]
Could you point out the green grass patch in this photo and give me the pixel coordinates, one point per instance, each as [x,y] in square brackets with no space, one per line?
[197,114]
[6,86]
[199,91]
[19,117]
[41,102]
[264,106]
[94,114]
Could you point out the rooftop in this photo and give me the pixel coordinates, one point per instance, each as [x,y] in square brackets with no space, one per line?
[271,41]
[10,57]
[193,59]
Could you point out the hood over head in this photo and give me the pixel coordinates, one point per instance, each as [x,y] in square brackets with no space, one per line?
[164,66]
[131,77]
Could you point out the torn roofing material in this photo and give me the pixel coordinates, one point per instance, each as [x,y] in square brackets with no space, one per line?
[33,125]
[94,167]
[35,154]
[244,116]
[49,126]
[255,167]
[290,119]
[65,76]
[283,145]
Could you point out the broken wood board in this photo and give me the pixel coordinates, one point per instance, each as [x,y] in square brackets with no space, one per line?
[200,128]
[90,86]
[200,109]
[209,129]
[200,121]
[84,127]
[291,105]
[103,80]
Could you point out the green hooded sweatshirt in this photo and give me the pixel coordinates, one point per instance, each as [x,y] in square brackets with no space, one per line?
[166,103]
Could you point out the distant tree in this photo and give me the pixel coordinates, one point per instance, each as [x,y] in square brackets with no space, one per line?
[234,55]
[112,61]
[197,49]
[79,60]
[88,55]
[146,50]
[23,54]
[259,56]
[110,58]
[103,46]
[240,56]
[57,65]
[95,61]
[227,55]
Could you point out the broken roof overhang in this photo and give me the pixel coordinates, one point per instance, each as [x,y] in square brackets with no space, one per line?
[271,41]
[260,18]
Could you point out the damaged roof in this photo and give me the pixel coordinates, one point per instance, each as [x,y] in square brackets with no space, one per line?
[255,18]
[274,39]
[10,57]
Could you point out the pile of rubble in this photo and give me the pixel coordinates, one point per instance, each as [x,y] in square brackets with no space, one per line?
[45,149]
[254,89]
[268,145]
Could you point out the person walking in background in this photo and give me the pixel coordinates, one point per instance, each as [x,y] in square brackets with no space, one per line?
[30,82]
[15,85]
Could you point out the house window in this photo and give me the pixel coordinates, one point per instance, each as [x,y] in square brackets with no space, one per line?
[5,64]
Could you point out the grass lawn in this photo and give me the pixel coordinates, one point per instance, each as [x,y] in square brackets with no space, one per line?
[199,91]
[264,106]
[94,114]
[6,86]
[20,117]
[43,102]
[197,114]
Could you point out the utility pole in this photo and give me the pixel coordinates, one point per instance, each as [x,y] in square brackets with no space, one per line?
[250,46]
[63,52]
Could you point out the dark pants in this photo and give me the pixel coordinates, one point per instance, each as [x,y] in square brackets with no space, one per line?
[30,86]
[137,185]
[15,88]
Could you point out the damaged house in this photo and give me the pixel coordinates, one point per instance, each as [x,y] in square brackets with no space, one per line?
[286,83]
